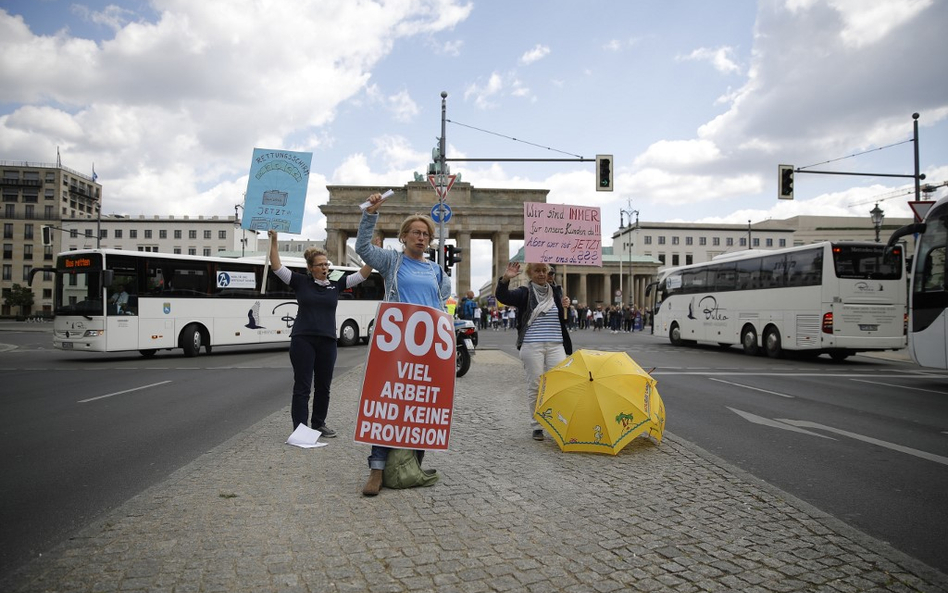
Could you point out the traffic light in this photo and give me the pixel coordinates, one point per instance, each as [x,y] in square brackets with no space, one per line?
[431,254]
[603,172]
[785,179]
[452,255]
[47,235]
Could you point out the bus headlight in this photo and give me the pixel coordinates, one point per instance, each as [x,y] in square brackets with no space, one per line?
[93,333]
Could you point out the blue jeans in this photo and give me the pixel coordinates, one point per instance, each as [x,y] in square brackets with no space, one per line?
[379,456]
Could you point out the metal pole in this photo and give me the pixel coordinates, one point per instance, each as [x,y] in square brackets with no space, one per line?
[442,180]
[918,192]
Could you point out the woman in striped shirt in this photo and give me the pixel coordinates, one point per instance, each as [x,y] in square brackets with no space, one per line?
[542,336]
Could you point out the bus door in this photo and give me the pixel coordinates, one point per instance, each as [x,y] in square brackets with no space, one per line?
[121,305]
[927,323]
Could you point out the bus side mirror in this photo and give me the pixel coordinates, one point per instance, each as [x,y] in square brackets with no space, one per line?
[108,276]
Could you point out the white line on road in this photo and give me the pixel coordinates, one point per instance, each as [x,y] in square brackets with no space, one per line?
[900,448]
[775,424]
[901,386]
[753,388]
[82,401]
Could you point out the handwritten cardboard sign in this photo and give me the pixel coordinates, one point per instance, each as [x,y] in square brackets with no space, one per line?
[408,395]
[562,234]
[276,190]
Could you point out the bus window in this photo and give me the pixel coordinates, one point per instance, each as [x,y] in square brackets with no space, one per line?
[806,268]
[773,271]
[748,273]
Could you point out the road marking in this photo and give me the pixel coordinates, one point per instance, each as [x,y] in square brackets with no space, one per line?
[82,401]
[775,424]
[901,386]
[753,388]
[900,448]
[793,374]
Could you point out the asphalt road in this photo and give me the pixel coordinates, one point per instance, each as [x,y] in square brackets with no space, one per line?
[865,440]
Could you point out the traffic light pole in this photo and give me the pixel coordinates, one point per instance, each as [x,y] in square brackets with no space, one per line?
[442,180]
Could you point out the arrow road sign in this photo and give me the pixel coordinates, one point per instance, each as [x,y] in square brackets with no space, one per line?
[438,209]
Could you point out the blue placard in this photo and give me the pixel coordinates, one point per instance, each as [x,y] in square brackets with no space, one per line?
[276,190]
[436,212]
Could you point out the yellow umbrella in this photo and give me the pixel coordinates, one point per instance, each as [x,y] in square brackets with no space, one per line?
[598,402]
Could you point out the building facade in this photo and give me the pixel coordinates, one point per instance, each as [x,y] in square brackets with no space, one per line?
[36,195]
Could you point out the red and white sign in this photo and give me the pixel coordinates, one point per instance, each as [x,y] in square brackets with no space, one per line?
[408,392]
[437,183]
[920,209]
[562,234]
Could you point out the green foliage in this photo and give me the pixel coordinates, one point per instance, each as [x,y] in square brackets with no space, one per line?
[19,296]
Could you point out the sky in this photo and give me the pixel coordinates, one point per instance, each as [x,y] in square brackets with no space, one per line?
[697,101]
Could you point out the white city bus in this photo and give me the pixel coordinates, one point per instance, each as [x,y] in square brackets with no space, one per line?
[836,298]
[188,302]
[928,294]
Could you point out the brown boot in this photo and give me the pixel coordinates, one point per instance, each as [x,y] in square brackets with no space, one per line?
[374,484]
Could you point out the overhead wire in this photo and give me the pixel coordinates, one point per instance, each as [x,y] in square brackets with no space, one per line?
[457,123]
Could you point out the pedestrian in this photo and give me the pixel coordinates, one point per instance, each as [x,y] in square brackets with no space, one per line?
[542,337]
[314,334]
[409,278]
[477,317]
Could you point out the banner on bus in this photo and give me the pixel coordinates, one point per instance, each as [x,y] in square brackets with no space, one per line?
[408,398]
[276,190]
[562,234]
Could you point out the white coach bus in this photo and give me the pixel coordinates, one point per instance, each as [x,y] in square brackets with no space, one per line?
[836,298]
[189,302]
[928,324]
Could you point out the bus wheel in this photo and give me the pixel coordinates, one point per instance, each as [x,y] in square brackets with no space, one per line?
[371,328]
[839,355]
[349,335]
[749,341]
[772,343]
[674,335]
[191,340]
[149,352]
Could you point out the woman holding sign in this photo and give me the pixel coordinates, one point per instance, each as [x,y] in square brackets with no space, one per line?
[409,278]
[542,337]
[313,337]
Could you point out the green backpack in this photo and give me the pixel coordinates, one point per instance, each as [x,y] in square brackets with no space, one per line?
[402,470]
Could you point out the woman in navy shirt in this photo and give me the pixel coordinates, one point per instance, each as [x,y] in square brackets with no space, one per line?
[313,337]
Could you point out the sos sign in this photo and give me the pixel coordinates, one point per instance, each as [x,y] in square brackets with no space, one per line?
[408,390]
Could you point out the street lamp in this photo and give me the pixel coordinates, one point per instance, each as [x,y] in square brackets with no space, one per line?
[631,227]
[876,214]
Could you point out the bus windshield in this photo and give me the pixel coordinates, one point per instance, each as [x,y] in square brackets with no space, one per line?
[866,262]
[79,286]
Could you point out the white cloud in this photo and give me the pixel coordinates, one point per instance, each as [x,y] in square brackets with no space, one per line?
[537,53]
[721,58]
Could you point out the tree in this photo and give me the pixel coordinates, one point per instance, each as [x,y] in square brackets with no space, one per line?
[19,296]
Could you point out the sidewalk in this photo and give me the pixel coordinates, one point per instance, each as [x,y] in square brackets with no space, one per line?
[509,514]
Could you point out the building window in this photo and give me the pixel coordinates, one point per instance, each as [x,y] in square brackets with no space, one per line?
[26,272]
[177,234]
[132,233]
[8,230]
[28,231]
[47,253]
[9,211]
[661,258]
[783,242]
[73,233]
[88,232]
[756,242]
[48,212]
[176,250]
[648,239]
[716,241]
[689,259]
[674,259]
[28,251]
[689,241]
[207,250]
[675,240]
[7,272]
[702,241]
[30,209]
[661,239]
[8,251]
[730,242]
[743,241]
[221,234]
[770,242]
[192,235]
[192,250]
[118,233]
[148,233]
[103,233]
[207,235]
[163,234]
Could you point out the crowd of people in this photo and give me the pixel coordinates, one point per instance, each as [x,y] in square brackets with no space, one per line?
[614,318]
